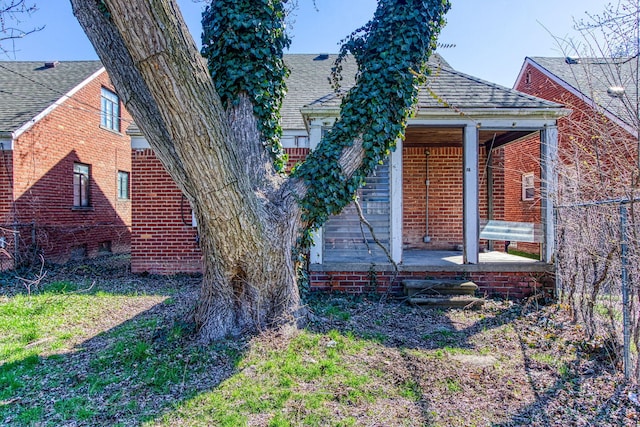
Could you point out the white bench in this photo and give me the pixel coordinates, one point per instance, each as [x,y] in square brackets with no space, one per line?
[511,231]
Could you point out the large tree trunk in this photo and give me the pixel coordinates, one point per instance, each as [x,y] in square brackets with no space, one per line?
[247,221]
[249,217]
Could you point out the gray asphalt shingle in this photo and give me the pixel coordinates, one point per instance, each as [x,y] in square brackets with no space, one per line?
[447,87]
[28,88]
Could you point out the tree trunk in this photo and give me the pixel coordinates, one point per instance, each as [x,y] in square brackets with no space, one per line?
[247,220]
[249,217]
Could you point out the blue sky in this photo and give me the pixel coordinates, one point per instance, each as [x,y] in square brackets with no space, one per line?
[491,37]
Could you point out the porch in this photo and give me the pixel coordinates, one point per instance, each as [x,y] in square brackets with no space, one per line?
[496,273]
[439,206]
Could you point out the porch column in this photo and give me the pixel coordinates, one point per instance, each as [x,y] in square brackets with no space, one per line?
[316,250]
[548,187]
[470,191]
[396,208]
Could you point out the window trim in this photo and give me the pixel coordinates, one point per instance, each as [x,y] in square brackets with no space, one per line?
[109,110]
[528,186]
[119,187]
[81,199]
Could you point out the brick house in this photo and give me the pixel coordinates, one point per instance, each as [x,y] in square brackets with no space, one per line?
[599,135]
[66,162]
[437,203]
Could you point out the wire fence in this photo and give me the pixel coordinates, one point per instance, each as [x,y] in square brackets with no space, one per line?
[598,271]
[25,244]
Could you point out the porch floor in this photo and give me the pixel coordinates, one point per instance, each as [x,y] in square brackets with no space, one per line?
[423,260]
[423,257]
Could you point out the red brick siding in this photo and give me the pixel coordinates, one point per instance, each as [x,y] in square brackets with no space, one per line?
[504,284]
[163,241]
[6,185]
[445,196]
[296,155]
[6,198]
[520,157]
[605,152]
[43,159]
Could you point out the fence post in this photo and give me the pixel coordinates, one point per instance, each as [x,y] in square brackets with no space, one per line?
[625,291]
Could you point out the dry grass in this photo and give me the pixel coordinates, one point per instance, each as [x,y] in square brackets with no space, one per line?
[126,357]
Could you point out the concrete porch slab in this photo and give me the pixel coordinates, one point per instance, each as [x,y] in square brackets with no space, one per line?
[422,260]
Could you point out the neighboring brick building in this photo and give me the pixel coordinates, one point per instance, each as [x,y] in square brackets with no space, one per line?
[597,141]
[66,162]
[428,203]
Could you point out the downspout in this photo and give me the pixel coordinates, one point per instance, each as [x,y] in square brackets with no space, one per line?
[490,200]
[15,229]
[426,238]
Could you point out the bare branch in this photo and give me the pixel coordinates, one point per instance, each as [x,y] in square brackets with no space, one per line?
[12,14]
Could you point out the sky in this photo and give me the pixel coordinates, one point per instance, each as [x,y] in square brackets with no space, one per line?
[491,37]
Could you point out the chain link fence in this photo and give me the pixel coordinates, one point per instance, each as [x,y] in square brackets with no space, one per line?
[598,272]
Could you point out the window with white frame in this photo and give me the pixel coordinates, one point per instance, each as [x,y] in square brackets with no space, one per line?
[123,185]
[109,110]
[528,186]
[80,185]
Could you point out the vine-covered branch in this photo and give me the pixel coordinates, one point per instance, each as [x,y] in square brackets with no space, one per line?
[391,52]
[243,41]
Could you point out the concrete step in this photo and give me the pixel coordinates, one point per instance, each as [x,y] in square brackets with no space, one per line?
[439,287]
[451,301]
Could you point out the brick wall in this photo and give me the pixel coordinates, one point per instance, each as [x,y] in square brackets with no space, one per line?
[605,153]
[296,155]
[163,239]
[518,158]
[498,283]
[445,196]
[43,160]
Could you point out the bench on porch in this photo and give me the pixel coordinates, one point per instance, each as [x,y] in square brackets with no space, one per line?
[509,231]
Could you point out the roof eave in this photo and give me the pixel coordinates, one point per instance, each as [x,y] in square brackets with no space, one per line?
[473,114]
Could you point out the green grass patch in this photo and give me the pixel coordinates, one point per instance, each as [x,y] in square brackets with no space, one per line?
[524,254]
[34,327]
[290,386]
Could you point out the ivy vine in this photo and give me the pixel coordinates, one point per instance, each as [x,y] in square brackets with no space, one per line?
[391,52]
[243,41]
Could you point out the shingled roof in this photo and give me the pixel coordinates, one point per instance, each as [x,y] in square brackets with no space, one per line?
[445,88]
[308,81]
[29,88]
[592,77]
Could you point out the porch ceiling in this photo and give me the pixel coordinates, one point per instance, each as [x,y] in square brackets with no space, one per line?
[444,136]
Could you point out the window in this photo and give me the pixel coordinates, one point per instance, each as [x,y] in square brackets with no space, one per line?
[123,185]
[528,187]
[80,185]
[302,141]
[104,247]
[110,110]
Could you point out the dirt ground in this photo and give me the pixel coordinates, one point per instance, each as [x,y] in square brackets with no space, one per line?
[506,364]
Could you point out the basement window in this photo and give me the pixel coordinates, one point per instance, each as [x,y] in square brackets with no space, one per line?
[528,186]
[104,247]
